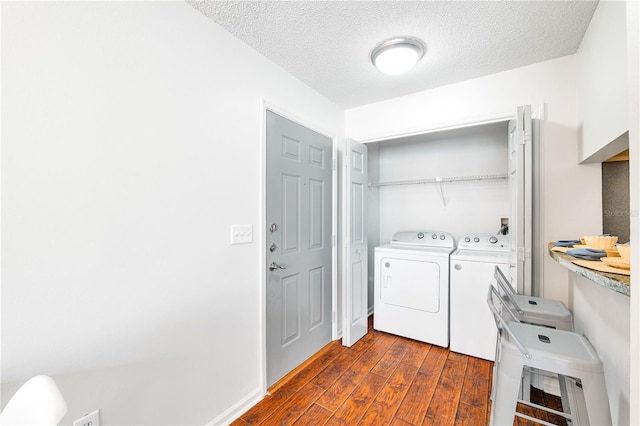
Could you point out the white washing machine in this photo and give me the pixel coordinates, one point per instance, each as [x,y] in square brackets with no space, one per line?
[472,327]
[411,286]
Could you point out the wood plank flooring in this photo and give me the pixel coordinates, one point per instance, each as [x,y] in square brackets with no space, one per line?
[381,380]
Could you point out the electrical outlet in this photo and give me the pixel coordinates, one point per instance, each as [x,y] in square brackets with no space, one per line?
[241,234]
[504,226]
[91,419]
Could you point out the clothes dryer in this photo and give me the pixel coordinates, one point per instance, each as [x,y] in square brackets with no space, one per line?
[411,286]
[473,330]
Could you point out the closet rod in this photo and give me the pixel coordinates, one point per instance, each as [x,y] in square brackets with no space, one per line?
[439,180]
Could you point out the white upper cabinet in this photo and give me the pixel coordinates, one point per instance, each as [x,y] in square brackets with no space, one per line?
[602,85]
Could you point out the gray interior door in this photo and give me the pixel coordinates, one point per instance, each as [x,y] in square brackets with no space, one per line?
[299,247]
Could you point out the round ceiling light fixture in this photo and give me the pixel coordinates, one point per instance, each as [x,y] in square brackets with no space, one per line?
[397,55]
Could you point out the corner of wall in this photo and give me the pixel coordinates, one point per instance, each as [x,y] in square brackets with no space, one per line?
[235,411]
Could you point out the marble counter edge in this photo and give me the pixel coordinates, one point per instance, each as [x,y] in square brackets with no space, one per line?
[615,282]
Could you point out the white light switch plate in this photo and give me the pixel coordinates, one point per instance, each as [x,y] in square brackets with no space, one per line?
[91,419]
[241,234]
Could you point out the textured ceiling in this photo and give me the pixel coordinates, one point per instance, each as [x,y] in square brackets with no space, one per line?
[327,44]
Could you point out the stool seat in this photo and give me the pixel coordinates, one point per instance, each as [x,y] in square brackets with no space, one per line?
[548,312]
[560,351]
[535,310]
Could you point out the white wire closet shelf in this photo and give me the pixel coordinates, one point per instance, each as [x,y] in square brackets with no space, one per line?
[440,180]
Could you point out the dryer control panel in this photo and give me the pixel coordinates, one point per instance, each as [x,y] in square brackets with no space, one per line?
[484,242]
[423,239]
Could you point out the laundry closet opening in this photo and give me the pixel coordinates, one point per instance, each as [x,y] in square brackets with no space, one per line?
[464,185]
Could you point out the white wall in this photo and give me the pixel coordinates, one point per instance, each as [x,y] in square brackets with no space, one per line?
[607,100]
[130,144]
[602,316]
[468,207]
[566,188]
[602,83]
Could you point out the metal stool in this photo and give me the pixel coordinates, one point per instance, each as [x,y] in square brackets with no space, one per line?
[535,310]
[567,354]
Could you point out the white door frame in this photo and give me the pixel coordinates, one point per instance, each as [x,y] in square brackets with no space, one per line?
[262,265]
[441,127]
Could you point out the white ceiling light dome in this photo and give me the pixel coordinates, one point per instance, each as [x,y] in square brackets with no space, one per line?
[397,55]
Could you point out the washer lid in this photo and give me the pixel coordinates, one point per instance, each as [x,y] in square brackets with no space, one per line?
[423,239]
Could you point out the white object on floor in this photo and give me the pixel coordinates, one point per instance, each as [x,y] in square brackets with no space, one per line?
[411,287]
[473,331]
[37,402]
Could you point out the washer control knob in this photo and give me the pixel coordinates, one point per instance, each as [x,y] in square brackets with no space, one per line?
[493,240]
[420,235]
[434,236]
[442,237]
[467,239]
[476,240]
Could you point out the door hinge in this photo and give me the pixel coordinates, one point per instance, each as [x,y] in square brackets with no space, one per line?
[525,138]
[523,254]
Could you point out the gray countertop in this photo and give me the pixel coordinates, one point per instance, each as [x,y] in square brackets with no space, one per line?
[616,282]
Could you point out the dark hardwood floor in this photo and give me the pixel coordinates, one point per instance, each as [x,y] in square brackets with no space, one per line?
[381,380]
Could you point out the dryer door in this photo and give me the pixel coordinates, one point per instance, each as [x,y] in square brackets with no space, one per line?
[410,283]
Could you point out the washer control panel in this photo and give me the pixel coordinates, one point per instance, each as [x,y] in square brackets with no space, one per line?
[484,242]
[423,239]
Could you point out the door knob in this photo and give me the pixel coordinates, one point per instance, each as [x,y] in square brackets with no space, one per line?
[273,266]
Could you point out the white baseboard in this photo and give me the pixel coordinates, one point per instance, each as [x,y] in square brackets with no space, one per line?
[249,401]
[237,409]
